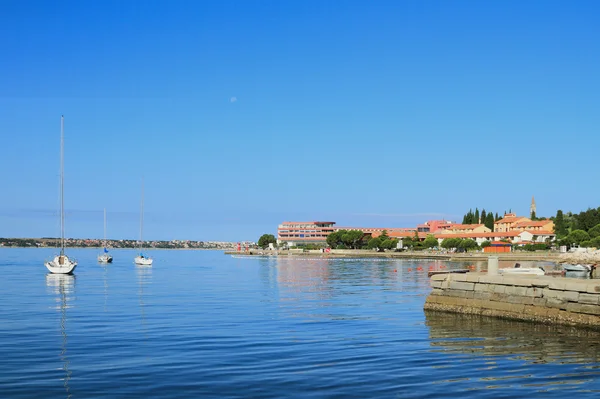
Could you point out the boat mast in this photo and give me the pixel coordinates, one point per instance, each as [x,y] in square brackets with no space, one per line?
[142,217]
[62,184]
[104,227]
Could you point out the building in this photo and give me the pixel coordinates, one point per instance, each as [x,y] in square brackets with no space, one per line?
[508,222]
[466,228]
[433,226]
[302,233]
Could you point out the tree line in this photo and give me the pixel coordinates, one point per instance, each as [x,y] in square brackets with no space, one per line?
[581,229]
[486,218]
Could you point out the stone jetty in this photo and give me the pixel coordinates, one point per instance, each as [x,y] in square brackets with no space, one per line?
[544,299]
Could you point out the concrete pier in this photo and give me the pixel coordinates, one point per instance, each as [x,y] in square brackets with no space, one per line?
[543,299]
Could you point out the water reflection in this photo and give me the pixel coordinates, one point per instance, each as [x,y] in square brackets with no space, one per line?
[515,340]
[144,277]
[63,285]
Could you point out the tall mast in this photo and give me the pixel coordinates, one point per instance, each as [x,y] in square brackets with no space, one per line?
[62,184]
[104,227]
[142,216]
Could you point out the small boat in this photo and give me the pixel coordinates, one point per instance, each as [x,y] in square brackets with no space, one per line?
[576,268]
[141,259]
[105,257]
[61,264]
[525,271]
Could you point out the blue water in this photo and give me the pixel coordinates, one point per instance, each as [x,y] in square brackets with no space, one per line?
[203,324]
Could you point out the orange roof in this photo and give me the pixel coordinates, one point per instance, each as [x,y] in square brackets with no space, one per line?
[511,219]
[530,223]
[479,235]
[541,232]
[465,226]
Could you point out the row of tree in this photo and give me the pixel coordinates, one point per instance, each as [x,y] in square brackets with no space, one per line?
[487,218]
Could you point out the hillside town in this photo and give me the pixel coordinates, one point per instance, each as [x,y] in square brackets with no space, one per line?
[98,243]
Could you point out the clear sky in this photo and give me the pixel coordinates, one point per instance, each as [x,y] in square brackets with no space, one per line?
[242,114]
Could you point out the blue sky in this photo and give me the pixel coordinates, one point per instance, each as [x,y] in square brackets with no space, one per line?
[243,114]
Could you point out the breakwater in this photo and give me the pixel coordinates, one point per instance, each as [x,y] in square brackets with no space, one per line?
[544,299]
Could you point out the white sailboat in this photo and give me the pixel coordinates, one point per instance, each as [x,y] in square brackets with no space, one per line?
[141,259]
[105,257]
[61,264]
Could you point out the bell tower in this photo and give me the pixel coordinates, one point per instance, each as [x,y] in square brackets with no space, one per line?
[532,208]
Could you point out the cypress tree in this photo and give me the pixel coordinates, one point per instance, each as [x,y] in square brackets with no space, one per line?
[559,224]
[489,221]
[476,218]
[497,218]
[483,216]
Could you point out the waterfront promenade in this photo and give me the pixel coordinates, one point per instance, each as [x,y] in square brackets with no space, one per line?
[547,256]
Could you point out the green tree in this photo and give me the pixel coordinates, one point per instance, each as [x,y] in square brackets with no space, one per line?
[596,242]
[483,216]
[266,239]
[560,229]
[489,221]
[578,236]
[496,218]
[449,243]
[467,244]
[594,231]
[430,241]
[485,244]
[374,243]
[334,239]
[352,238]
[476,217]
[533,217]
[464,219]
[407,242]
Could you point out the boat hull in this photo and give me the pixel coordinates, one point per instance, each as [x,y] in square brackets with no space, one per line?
[143,261]
[576,268]
[105,258]
[525,271]
[61,266]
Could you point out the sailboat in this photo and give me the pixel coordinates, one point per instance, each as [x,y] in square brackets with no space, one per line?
[105,257]
[61,264]
[141,259]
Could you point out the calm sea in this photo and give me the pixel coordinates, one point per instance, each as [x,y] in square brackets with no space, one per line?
[202,324]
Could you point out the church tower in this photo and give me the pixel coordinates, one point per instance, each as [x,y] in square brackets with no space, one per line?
[532,207]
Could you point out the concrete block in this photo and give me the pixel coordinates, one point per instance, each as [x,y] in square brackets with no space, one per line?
[482,295]
[490,279]
[578,286]
[435,283]
[556,303]
[437,291]
[458,285]
[569,296]
[439,277]
[584,308]
[593,288]
[516,290]
[590,299]
[535,292]
[481,287]
[499,289]
[521,281]
[557,284]
[473,277]
[542,283]
[538,301]
[548,293]
[499,297]
[459,277]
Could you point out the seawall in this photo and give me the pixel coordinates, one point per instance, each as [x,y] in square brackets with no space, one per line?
[551,300]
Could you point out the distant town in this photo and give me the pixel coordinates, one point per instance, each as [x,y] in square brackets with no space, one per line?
[98,243]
